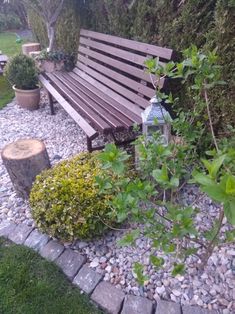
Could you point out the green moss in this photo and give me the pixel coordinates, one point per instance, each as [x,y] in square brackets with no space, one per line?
[65,200]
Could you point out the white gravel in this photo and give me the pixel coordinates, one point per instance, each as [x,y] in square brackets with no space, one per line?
[212,289]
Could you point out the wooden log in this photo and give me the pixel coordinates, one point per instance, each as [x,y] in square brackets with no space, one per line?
[24,160]
[27,48]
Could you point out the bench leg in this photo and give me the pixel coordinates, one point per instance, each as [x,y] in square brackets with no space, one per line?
[51,103]
[89,144]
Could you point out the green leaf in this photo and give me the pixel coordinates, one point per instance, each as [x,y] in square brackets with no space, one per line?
[138,270]
[178,269]
[230,235]
[214,166]
[161,175]
[215,192]
[157,261]
[129,238]
[230,185]
[229,211]
[202,178]
[174,182]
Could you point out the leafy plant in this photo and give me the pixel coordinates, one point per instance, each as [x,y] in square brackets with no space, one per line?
[57,57]
[21,72]
[65,200]
[153,199]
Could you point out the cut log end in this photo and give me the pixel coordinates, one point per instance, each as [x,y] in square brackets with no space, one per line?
[23,149]
[24,160]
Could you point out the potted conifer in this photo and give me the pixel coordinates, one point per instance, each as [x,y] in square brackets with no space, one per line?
[22,74]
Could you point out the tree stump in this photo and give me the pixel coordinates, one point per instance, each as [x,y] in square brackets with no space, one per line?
[24,160]
[27,48]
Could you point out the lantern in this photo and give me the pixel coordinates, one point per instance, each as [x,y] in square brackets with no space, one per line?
[156,118]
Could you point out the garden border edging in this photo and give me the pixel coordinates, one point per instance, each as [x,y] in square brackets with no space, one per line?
[106,296]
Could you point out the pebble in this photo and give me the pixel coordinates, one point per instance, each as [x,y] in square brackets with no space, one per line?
[212,289]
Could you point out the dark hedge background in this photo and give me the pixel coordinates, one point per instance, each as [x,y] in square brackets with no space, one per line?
[172,23]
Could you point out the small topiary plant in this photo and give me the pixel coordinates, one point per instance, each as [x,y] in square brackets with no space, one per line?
[66,202]
[21,72]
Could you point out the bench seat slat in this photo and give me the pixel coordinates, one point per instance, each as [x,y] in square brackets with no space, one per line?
[119,98]
[78,105]
[98,105]
[140,101]
[137,87]
[90,132]
[104,108]
[148,49]
[115,104]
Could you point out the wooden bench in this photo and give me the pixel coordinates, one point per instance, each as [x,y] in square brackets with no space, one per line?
[108,89]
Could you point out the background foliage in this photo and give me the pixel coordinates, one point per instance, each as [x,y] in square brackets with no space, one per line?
[67,29]
[173,23]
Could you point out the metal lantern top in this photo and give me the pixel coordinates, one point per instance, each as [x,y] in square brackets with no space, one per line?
[155,112]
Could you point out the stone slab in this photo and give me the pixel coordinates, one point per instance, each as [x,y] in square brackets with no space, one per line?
[20,233]
[137,305]
[87,279]
[187,309]
[52,250]
[36,240]
[70,262]
[108,297]
[6,227]
[168,307]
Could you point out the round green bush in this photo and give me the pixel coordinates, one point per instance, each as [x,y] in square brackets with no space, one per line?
[65,200]
[21,71]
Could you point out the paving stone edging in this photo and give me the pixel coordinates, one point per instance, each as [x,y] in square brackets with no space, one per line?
[103,294]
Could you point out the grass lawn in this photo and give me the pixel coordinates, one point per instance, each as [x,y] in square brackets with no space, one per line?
[9,47]
[8,44]
[6,92]
[31,285]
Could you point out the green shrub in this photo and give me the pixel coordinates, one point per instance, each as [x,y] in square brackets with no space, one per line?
[21,72]
[65,200]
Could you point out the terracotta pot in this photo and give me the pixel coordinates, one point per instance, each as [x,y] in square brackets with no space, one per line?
[28,99]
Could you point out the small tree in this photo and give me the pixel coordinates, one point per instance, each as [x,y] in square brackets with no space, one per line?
[49,11]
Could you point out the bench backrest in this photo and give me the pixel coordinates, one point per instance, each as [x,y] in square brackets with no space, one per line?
[118,63]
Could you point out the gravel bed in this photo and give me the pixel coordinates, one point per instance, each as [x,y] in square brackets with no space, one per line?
[212,289]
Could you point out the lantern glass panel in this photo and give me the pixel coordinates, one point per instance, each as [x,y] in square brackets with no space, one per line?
[154,128]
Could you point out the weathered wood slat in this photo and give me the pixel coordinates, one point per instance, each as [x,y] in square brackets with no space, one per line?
[123,54]
[90,132]
[97,105]
[119,98]
[148,49]
[103,107]
[129,69]
[138,87]
[79,105]
[141,102]
[123,109]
